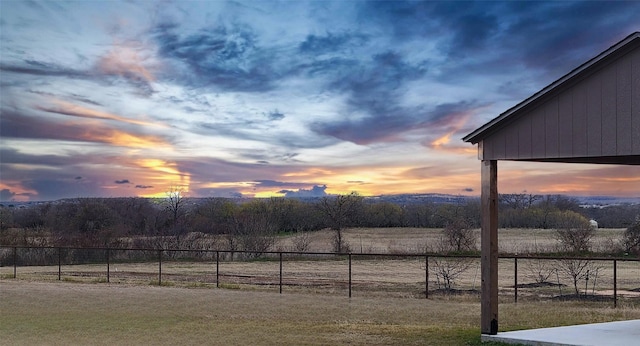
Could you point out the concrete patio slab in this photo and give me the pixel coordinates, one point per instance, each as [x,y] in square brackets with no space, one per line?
[622,333]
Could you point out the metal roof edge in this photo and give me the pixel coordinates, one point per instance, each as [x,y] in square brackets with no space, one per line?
[473,136]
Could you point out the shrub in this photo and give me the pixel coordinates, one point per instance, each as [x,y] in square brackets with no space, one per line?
[459,236]
[539,270]
[301,242]
[449,270]
[573,231]
[631,238]
[577,270]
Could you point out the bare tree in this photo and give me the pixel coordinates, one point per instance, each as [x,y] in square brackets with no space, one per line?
[175,203]
[253,228]
[539,270]
[256,233]
[338,210]
[519,200]
[301,242]
[577,270]
[449,270]
[460,236]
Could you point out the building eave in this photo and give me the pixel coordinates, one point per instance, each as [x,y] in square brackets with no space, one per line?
[627,43]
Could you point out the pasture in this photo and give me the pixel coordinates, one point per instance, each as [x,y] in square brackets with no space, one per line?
[37,313]
[416,240]
[388,306]
[397,276]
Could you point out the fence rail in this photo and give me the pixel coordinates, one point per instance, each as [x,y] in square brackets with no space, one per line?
[28,256]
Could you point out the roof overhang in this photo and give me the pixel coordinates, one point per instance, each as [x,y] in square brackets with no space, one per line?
[606,160]
[620,48]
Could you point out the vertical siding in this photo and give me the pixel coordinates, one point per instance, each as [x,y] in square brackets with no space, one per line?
[551,128]
[537,133]
[524,137]
[598,116]
[486,148]
[490,147]
[609,122]
[623,106]
[594,117]
[512,142]
[579,120]
[498,145]
[635,101]
[565,124]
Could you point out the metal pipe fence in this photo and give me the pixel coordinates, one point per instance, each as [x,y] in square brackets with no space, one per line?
[385,272]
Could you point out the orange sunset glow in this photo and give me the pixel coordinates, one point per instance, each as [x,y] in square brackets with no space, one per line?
[237,99]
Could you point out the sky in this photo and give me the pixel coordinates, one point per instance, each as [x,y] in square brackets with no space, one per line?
[284,98]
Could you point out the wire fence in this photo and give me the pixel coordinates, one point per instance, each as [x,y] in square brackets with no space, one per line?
[366,274]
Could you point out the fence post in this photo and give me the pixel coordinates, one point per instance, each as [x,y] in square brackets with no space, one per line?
[426,277]
[217,269]
[59,263]
[349,275]
[108,267]
[15,262]
[615,283]
[280,272]
[159,267]
[515,275]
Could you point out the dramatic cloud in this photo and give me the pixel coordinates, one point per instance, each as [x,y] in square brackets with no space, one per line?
[225,57]
[37,68]
[303,98]
[126,62]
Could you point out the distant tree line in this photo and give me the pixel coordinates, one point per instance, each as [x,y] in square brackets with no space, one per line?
[249,224]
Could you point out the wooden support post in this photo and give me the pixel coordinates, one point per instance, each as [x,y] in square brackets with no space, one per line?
[489,239]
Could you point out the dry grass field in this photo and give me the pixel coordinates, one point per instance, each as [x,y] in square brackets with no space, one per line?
[416,240]
[379,276]
[52,313]
[388,305]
